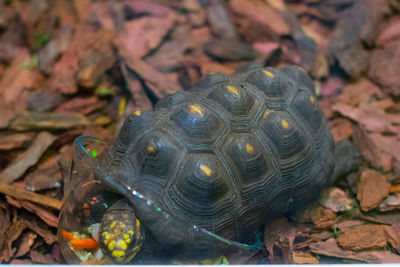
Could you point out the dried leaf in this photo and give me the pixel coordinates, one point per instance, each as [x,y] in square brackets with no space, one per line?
[372,189]
[258,21]
[229,50]
[54,49]
[341,129]
[44,100]
[220,23]
[157,82]
[332,86]
[363,91]
[380,151]
[144,34]
[29,158]
[81,105]
[135,87]
[371,118]
[86,38]
[383,70]
[96,62]
[363,237]
[16,80]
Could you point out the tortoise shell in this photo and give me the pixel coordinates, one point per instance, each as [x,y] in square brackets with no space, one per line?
[229,154]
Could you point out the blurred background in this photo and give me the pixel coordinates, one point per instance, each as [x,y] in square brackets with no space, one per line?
[79,67]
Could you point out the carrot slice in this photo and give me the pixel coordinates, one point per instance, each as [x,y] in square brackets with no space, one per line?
[67,235]
[79,244]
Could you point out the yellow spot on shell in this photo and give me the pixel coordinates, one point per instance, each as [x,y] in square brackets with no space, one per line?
[111,245]
[196,109]
[118,254]
[112,225]
[150,149]
[285,124]
[312,99]
[232,90]
[249,148]
[130,231]
[266,113]
[137,113]
[121,244]
[206,170]
[104,233]
[268,73]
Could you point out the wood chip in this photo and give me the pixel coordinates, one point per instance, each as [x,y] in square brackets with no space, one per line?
[300,257]
[38,257]
[13,141]
[157,82]
[30,196]
[48,121]
[42,230]
[29,158]
[393,236]
[336,200]
[372,189]
[330,248]
[363,237]
[26,243]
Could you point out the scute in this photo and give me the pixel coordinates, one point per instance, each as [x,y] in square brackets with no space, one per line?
[275,85]
[134,126]
[234,99]
[305,105]
[286,136]
[202,190]
[171,100]
[197,124]
[157,155]
[249,158]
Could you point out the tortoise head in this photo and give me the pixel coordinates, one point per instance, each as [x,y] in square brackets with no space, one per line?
[121,234]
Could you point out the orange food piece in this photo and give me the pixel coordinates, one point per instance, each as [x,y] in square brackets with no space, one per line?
[92,262]
[79,244]
[395,188]
[67,235]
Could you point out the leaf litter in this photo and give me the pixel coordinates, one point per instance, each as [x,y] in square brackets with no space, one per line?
[79,67]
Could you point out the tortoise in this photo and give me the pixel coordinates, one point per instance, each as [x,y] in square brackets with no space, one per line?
[207,167]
